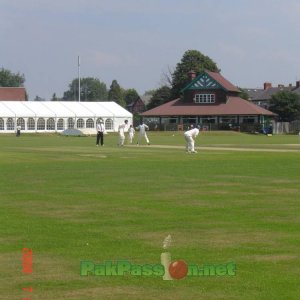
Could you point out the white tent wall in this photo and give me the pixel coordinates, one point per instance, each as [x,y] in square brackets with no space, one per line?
[56,116]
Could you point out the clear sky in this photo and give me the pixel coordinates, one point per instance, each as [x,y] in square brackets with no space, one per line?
[136,41]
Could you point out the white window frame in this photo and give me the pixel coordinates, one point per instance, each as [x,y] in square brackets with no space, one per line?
[80,123]
[41,124]
[50,124]
[204,98]
[30,124]
[10,124]
[1,124]
[109,124]
[21,122]
[90,123]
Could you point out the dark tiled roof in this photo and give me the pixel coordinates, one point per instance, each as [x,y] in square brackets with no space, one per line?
[297,90]
[12,94]
[233,106]
[261,94]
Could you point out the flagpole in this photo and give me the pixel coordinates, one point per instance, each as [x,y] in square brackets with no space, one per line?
[78,78]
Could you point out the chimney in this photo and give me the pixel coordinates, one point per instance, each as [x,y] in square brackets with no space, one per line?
[267,85]
[297,84]
[191,75]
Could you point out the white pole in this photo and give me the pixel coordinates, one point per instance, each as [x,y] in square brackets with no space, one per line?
[79,78]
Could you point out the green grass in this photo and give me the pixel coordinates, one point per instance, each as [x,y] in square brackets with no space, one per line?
[70,201]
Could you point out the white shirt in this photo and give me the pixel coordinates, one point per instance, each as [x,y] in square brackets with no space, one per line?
[122,128]
[192,133]
[143,128]
[131,130]
[100,127]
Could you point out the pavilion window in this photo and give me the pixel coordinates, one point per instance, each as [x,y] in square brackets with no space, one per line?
[204,98]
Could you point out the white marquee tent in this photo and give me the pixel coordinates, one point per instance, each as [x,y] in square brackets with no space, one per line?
[56,116]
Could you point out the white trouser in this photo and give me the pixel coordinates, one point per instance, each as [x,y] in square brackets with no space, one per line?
[143,135]
[190,143]
[130,135]
[121,139]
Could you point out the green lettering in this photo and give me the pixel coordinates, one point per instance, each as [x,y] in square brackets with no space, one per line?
[110,269]
[86,268]
[100,270]
[136,270]
[123,266]
[231,269]
[192,270]
[158,270]
[147,270]
[209,270]
[200,272]
[221,270]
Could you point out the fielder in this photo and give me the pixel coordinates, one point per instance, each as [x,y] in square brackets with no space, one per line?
[142,128]
[131,132]
[121,131]
[189,137]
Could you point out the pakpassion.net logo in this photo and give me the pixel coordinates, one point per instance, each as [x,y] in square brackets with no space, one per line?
[176,270]
[167,269]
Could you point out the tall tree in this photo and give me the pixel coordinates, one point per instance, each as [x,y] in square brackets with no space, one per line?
[191,60]
[130,95]
[243,94]
[38,98]
[115,93]
[160,96]
[9,79]
[91,89]
[54,97]
[286,105]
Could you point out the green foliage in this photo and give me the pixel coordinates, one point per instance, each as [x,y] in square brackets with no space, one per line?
[191,60]
[91,89]
[130,95]
[115,93]
[286,104]
[38,98]
[149,92]
[9,79]
[54,97]
[160,96]
[243,94]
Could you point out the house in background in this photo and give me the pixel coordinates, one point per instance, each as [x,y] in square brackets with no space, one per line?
[210,100]
[13,94]
[139,105]
[262,97]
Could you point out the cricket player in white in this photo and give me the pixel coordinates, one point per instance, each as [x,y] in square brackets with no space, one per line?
[131,132]
[121,130]
[142,128]
[189,138]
